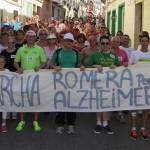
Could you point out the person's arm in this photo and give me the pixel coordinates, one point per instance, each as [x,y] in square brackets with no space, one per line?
[57,68]
[80,65]
[19,70]
[53,62]
[36,69]
[17,60]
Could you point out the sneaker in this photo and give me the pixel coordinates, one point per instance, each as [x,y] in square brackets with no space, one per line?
[36,126]
[133,134]
[108,130]
[60,129]
[70,129]
[14,115]
[97,129]
[20,126]
[4,128]
[121,118]
[8,115]
[143,134]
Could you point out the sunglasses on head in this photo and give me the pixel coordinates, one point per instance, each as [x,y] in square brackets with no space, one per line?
[103,43]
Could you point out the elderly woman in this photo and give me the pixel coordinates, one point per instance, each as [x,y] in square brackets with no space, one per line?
[42,34]
[50,48]
[123,60]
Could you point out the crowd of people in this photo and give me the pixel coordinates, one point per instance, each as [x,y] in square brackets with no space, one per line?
[69,43]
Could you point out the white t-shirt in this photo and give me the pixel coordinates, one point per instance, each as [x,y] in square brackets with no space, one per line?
[128,50]
[139,47]
[62,26]
[138,57]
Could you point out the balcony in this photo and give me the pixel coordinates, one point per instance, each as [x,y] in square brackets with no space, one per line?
[56,1]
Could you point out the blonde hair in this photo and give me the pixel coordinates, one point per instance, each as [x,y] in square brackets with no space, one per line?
[40,30]
[115,38]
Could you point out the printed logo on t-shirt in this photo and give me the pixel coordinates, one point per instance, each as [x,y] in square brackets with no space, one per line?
[13,56]
[25,52]
[112,56]
[120,58]
[29,58]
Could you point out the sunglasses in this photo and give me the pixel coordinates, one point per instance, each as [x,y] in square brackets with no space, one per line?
[103,43]
[69,40]
[11,42]
[43,34]
[103,27]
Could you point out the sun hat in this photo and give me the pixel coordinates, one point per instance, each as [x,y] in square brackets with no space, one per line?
[51,36]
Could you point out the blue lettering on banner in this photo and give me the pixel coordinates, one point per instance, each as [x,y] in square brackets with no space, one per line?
[88,90]
[29,89]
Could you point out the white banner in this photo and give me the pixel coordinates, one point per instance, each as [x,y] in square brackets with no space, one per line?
[76,91]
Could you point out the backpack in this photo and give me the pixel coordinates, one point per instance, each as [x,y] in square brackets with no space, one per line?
[57,54]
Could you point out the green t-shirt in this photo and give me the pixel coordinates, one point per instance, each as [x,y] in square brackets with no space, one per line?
[30,57]
[103,59]
[67,58]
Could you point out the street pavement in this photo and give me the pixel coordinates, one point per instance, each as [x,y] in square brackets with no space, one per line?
[83,139]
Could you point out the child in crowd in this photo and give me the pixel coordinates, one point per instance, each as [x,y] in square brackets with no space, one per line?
[4,114]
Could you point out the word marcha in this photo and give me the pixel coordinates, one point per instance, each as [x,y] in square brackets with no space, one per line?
[28,90]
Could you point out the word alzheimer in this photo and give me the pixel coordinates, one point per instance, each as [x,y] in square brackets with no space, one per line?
[101,90]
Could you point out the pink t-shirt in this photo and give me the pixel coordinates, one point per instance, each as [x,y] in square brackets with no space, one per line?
[49,53]
[122,56]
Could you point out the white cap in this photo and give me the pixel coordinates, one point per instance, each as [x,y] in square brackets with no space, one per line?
[69,36]
[51,36]
[30,33]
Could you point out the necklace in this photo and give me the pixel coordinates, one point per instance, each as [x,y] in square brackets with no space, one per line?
[103,59]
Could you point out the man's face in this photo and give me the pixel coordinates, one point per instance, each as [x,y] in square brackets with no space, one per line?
[102,29]
[68,43]
[20,36]
[125,40]
[30,39]
[104,45]
[93,41]
[92,28]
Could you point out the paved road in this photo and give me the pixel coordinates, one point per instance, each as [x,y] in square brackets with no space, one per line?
[83,139]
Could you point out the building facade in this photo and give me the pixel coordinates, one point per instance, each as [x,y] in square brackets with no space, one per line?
[22,8]
[129,16]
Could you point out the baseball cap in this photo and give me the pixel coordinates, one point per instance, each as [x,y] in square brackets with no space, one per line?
[51,36]
[69,36]
[30,33]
